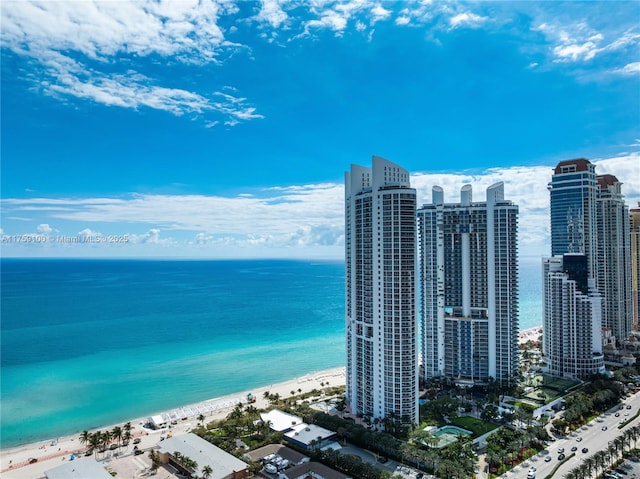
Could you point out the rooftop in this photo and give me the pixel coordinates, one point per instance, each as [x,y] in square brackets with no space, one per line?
[78,469]
[280,421]
[204,453]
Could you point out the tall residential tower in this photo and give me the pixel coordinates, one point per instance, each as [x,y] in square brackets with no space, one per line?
[469,294]
[588,219]
[572,328]
[380,292]
[634,214]
[613,265]
[573,191]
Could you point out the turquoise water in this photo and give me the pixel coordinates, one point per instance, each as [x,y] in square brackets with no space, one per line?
[89,343]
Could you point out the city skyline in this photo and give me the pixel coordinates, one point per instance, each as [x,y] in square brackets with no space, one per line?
[218,129]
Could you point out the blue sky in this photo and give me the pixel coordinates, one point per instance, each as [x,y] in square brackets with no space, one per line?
[222,129]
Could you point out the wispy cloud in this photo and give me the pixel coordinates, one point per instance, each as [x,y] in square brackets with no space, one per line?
[81,45]
[578,42]
[629,69]
[307,219]
[467,19]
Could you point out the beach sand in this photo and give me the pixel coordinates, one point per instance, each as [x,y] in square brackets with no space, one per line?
[14,461]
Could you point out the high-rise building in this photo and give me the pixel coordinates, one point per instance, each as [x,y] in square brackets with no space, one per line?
[469,287]
[573,191]
[572,329]
[588,219]
[613,261]
[634,214]
[380,292]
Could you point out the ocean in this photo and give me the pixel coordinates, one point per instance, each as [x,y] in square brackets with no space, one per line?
[90,343]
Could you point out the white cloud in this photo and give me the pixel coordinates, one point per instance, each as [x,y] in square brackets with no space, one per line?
[402,20]
[45,229]
[467,19]
[304,219]
[272,13]
[578,42]
[151,237]
[82,45]
[379,13]
[629,69]
[575,52]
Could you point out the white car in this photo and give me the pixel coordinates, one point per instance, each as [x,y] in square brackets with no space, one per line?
[270,468]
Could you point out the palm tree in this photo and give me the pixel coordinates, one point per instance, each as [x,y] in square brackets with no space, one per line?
[619,444]
[155,460]
[206,472]
[105,439]
[589,463]
[201,418]
[127,432]
[94,441]
[572,474]
[84,437]
[598,461]
[116,434]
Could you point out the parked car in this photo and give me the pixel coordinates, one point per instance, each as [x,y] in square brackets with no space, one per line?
[560,457]
[32,460]
[585,450]
[137,452]
[547,459]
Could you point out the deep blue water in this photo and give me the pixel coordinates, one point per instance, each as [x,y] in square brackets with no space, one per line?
[88,343]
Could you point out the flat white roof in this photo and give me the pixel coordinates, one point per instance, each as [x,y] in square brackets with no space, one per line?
[305,433]
[85,468]
[204,453]
[281,421]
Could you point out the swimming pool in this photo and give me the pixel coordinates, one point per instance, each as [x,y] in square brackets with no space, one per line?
[454,430]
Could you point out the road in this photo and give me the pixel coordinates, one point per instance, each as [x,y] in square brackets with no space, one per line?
[593,437]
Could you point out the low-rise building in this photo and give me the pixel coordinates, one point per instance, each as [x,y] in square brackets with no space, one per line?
[314,470]
[85,468]
[223,464]
[280,421]
[294,457]
[310,436]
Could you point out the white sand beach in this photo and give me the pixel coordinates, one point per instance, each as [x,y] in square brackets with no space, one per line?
[14,462]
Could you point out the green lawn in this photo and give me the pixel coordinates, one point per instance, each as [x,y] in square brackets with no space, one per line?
[473,424]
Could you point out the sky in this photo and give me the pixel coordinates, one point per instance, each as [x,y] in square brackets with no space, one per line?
[222,129]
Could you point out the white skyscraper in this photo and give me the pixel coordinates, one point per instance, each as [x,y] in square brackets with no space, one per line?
[572,328]
[469,287]
[380,290]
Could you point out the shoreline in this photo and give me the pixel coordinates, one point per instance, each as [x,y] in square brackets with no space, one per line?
[529,334]
[14,459]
